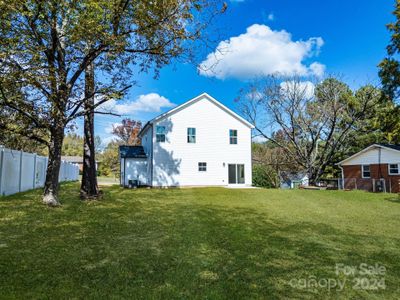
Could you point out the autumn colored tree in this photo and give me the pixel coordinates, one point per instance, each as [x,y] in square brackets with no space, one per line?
[127,132]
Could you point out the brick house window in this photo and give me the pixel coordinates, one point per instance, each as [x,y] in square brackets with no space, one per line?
[366,171]
[394,169]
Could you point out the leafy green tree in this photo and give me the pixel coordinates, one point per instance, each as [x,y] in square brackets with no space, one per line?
[390,66]
[46,47]
[265,176]
[110,160]
[73,145]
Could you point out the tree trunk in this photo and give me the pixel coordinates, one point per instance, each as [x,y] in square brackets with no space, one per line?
[50,196]
[89,188]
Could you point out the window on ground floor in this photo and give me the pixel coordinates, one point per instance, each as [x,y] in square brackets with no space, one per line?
[394,169]
[366,171]
[202,166]
[236,174]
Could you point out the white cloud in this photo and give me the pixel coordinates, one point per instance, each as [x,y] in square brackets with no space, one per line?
[271,17]
[151,102]
[262,51]
[110,127]
[317,69]
[306,87]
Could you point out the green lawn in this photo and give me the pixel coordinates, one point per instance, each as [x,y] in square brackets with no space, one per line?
[208,243]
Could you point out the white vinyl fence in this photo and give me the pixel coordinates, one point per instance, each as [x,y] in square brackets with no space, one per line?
[21,171]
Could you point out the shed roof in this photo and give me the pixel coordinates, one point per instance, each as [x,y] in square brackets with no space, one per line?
[132,152]
[391,146]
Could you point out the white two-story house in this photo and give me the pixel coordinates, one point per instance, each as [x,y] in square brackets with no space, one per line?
[198,143]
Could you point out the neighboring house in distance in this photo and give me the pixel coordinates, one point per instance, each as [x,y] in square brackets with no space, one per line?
[375,168]
[292,180]
[198,143]
[77,160]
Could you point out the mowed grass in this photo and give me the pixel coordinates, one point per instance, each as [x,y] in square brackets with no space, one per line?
[205,243]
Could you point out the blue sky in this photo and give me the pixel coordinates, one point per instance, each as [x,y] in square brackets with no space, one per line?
[346,38]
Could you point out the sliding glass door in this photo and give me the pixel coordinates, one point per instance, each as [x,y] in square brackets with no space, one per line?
[235,174]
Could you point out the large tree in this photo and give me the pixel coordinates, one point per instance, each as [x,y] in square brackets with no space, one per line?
[312,124]
[46,47]
[89,187]
[390,66]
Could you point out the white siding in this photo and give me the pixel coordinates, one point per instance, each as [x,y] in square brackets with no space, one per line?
[136,169]
[148,147]
[371,156]
[176,161]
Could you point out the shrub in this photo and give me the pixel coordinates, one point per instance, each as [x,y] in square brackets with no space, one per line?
[265,176]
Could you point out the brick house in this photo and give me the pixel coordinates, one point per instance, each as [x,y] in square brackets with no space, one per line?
[375,169]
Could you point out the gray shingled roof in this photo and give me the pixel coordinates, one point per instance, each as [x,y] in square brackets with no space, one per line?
[391,146]
[132,152]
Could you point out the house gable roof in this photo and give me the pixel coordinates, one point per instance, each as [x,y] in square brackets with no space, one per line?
[377,145]
[190,102]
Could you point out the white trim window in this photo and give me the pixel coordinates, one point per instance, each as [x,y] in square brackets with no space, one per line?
[160,134]
[202,166]
[366,171]
[393,169]
[191,135]
[233,136]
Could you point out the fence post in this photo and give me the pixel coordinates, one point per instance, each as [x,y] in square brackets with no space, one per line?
[34,171]
[20,171]
[355,182]
[373,185]
[1,170]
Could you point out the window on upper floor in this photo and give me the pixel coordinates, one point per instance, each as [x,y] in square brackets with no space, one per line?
[394,169]
[160,134]
[366,171]
[202,166]
[191,135]
[233,136]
